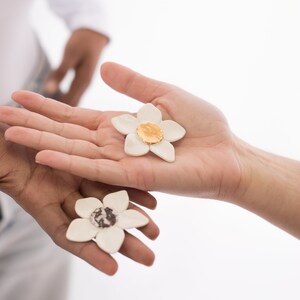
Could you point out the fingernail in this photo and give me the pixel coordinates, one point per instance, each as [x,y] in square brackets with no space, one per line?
[38,161]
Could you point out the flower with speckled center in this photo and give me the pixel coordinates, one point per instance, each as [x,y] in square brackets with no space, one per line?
[104,222]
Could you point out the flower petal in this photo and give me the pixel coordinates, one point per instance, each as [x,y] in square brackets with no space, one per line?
[149,113]
[125,123]
[164,150]
[172,130]
[135,146]
[118,201]
[85,206]
[81,230]
[110,239]
[131,219]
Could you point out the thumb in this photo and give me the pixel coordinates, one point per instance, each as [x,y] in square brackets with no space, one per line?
[132,84]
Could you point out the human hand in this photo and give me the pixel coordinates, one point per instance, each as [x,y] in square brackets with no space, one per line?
[50,196]
[206,161]
[81,54]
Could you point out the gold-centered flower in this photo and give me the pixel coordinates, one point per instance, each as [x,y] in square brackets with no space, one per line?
[150,133]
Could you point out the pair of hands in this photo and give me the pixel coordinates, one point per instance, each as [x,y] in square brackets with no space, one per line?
[84,143]
[210,161]
[81,54]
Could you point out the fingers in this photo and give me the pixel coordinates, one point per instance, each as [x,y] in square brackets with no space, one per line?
[53,81]
[41,140]
[89,252]
[134,249]
[69,61]
[151,230]
[99,190]
[106,171]
[21,117]
[53,220]
[81,54]
[83,76]
[57,111]
[142,198]
[132,84]
[134,174]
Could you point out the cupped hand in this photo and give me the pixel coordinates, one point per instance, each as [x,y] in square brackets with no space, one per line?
[84,142]
[50,195]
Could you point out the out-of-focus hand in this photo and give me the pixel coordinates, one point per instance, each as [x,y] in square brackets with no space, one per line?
[81,54]
[206,160]
[50,196]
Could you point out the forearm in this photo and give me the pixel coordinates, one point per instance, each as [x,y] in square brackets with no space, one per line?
[270,187]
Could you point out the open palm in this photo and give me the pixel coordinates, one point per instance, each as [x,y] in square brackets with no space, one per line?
[50,195]
[83,142]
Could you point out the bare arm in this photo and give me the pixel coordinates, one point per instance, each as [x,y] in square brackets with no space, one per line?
[270,187]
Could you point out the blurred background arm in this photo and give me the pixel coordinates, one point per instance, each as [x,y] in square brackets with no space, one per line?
[87,21]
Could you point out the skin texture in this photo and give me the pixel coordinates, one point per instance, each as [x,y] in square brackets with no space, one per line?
[81,55]
[211,161]
[50,196]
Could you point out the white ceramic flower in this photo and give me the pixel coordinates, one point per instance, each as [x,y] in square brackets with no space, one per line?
[104,222]
[147,132]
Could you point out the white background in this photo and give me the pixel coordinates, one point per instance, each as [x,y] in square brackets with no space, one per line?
[244,57]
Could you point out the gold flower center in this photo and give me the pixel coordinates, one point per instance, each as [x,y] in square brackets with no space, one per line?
[150,133]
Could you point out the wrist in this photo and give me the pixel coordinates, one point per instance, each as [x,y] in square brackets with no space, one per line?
[269,187]
[249,161]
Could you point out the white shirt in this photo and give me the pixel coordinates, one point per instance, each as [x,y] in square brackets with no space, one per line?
[18,45]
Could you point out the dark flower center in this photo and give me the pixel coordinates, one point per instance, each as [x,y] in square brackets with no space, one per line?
[103,217]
